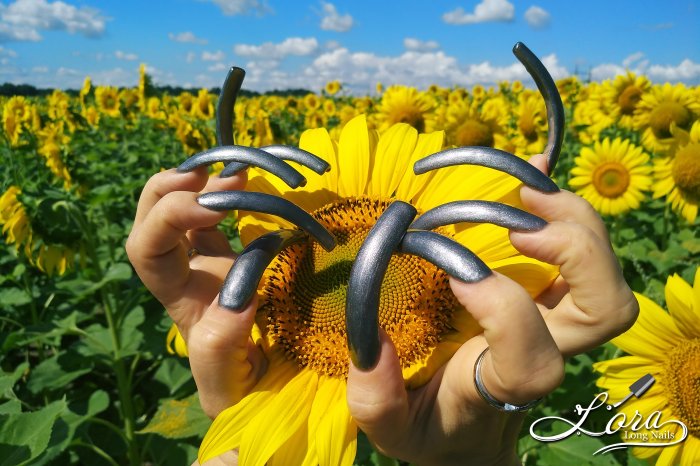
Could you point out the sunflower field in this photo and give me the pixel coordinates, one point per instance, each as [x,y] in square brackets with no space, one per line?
[91,370]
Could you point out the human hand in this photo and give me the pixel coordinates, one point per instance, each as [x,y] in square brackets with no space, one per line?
[446,421]
[169,223]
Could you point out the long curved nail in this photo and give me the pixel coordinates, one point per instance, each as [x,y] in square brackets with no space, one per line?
[224,107]
[552,101]
[449,255]
[478,212]
[268,204]
[245,274]
[294,154]
[249,155]
[364,285]
[491,158]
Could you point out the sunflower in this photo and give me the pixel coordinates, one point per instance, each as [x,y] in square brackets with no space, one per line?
[531,134]
[678,176]
[467,125]
[623,95]
[203,107]
[612,175]
[107,99]
[401,104]
[667,346]
[333,87]
[18,230]
[297,413]
[661,107]
[85,90]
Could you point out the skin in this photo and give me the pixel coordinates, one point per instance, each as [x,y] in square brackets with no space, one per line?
[444,422]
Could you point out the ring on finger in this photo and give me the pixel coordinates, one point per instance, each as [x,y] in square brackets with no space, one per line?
[191,252]
[490,399]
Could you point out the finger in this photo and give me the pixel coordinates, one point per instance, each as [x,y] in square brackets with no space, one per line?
[600,304]
[523,363]
[563,206]
[225,362]
[165,182]
[156,247]
[377,398]
[231,183]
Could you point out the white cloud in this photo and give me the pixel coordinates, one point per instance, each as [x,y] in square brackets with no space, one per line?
[487,10]
[333,21]
[332,45]
[125,56]
[240,7]
[537,17]
[213,56]
[217,67]
[7,52]
[418,45]
[187,37]
[686,71]
[24,19]
[40,69]
[191,56]
[291,46]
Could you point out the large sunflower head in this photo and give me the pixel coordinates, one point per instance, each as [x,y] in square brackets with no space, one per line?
[661,108]
[678,176]
[401,104]
[302,296]
[667,346]
[468,125]
[612,175]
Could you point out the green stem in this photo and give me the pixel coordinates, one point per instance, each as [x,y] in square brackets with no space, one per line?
[95,449]
[33,310]
[123,379]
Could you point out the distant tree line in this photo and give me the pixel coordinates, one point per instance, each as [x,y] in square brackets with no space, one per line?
[27,90]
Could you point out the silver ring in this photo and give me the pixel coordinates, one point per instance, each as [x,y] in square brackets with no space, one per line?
[488,398]
[192,252]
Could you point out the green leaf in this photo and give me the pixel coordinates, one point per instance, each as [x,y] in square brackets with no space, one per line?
[25,436]
[173,374]
[8,379]
[130,337]
[576,451]
[81,287]
[14,297]
[11,407]
[178,419]
[58,371]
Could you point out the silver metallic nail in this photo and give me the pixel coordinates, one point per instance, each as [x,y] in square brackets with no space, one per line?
[269,204]
[249,155]
[242,280]
[478,212]
[364,285]
[491,158]
[552,101]
[225,105]
[447,254]
[294,154]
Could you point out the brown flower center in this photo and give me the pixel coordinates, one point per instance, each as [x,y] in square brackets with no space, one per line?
[611,179]
[474,133]
[666,113]
[686,171]
[304,304]
[628,99]
[681,377]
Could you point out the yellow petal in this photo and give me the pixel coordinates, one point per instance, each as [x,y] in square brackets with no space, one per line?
[293,451]
[681,302]
[411,184]
[227,429]
[318,142]
[653,335]
[336,435]
[353,158]
[391,160]
[531,274]
[691,452]
[278,420]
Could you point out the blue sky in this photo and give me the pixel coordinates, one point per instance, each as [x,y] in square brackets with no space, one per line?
[285,44]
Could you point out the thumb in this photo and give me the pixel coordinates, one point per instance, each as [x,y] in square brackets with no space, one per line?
[377,398]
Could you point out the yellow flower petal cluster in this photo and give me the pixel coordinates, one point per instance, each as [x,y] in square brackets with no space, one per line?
[667,346]
[297,413]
